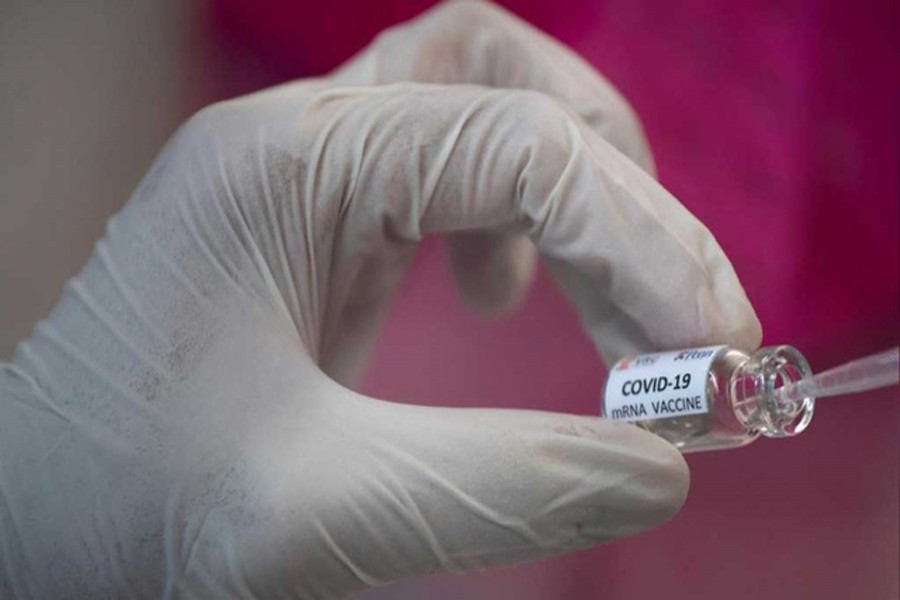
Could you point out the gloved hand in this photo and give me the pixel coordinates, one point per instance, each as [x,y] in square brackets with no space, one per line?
[178,425]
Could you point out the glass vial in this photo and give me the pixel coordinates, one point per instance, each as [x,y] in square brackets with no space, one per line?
[709,398]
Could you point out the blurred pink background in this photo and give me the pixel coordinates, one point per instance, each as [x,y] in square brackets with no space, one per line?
[776,123]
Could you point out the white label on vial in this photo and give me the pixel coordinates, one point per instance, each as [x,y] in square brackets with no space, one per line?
[658,386]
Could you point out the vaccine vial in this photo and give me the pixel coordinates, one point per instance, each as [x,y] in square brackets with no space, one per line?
[710,398]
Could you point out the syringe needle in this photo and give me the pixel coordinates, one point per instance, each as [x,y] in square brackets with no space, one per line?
[868,373]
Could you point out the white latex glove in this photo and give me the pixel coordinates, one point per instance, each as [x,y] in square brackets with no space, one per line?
[170,429]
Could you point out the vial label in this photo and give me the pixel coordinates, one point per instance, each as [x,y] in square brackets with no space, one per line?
[656,386]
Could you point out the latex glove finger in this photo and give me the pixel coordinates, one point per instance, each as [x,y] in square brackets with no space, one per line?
[405,490]
[254,476]
[477,42]
[492,270]
[644,273]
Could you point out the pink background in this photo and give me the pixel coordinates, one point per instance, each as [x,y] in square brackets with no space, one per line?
[776,124]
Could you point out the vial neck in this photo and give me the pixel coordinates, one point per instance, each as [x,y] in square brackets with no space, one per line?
[755,395]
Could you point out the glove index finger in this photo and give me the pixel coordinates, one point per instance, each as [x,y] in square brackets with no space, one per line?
[644,273]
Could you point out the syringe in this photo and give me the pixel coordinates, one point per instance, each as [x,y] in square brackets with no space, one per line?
[868,373]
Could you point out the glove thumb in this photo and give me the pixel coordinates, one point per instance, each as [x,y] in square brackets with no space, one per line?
[459,489]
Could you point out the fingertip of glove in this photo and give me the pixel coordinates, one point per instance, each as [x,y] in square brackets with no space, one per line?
[492,272]
[668,480]
[650,477]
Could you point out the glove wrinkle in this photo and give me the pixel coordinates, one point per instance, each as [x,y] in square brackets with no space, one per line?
[277,247]
[363,578]
[473,507]
[406,509]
